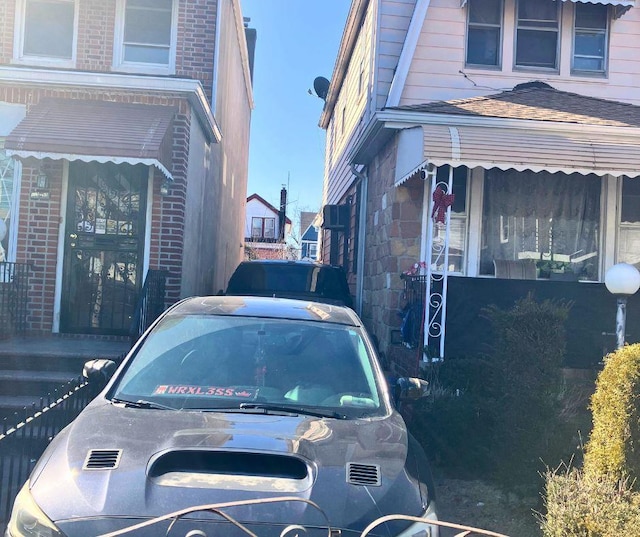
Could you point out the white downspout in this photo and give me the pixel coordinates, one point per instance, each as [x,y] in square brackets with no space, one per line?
[362,229]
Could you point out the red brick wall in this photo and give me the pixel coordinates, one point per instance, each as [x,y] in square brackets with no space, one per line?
[96,29]
[39,221]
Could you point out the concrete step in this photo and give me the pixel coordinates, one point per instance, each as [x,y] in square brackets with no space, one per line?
[20,382]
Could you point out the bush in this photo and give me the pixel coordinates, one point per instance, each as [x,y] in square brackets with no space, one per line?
[525,387]
[498,417]
[581,505]
[614,445]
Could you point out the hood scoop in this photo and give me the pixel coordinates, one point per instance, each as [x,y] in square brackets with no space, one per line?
[230,470]
[363,474]
[102,459]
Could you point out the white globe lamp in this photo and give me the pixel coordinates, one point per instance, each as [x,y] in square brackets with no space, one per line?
[622,280]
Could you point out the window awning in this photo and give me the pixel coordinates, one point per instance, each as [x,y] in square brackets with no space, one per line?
[518,149]
[624,3]
[99,131]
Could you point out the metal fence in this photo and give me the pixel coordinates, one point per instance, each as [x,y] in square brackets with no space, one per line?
[14,285]
[150,304]
[412,326]
[25,436]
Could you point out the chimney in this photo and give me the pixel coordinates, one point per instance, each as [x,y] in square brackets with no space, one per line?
[283,213]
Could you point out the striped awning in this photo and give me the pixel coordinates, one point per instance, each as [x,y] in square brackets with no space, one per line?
[623,3]
[518,149]
[100,131]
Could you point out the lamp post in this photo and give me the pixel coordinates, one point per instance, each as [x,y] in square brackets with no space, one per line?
[622,280]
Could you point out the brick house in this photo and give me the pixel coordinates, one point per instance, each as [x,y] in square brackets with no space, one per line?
[124,131]
[479,150]
[266,228]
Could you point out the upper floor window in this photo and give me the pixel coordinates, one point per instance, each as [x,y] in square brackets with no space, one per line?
[146,36]
[46,31]
[537,34]
[590,29]
[484,32]
[263,228]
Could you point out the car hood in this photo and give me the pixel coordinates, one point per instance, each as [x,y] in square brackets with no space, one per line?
[134,464]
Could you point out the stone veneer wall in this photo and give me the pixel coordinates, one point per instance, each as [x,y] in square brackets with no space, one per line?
[394,216]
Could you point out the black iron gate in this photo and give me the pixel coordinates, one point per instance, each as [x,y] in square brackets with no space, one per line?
[104,246]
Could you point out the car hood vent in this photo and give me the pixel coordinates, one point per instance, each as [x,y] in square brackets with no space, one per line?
[363,474]
[102,459]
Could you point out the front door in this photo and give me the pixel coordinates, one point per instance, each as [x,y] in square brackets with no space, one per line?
[104,246]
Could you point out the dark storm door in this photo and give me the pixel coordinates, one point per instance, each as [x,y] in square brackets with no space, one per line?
[104,247]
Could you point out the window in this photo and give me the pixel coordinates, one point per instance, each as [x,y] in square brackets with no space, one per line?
[550,218]
[590,30]
[46,30]
[629,233]
[146,35]
[484,32]
[263,228]
[8,184]
[457,222]
[537,34]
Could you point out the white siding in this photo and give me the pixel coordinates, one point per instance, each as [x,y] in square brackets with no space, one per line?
[395,16]
[257,209]
[435,72]
[349,114]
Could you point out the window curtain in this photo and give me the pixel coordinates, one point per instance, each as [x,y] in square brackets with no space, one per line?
[552,218]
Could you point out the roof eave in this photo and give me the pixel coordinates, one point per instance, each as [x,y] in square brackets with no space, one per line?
[347,45]
[190,89]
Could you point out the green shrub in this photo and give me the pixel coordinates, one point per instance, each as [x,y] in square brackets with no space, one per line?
[581,505]
[525,387]
[614,445]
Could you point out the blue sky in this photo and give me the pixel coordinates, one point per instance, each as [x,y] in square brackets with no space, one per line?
[297,41]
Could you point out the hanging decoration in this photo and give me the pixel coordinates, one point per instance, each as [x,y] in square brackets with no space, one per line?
[441,202]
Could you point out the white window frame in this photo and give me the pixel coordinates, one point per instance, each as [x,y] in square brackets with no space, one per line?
[605,59]
[120,64]
[557,30]
[498,65]
[19,57]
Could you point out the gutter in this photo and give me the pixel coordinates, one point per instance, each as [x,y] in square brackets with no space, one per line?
[362,229]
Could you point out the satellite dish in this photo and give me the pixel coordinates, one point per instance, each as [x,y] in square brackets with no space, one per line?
[321,85]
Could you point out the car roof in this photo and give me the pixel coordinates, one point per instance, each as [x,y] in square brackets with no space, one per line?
[266,308]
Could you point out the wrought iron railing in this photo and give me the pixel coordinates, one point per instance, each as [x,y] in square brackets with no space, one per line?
[25,435]
[412,327]
[14,286]
[150,304]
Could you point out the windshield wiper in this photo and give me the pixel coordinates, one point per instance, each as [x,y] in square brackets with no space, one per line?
[266,407]
[141,403]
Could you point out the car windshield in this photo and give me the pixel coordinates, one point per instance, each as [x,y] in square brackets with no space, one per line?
[209,362]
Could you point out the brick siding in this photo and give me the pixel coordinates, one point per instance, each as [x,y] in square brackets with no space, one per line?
[40,220]
[195,47]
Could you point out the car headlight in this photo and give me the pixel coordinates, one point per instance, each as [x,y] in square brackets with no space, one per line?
[424,529]
[28,520]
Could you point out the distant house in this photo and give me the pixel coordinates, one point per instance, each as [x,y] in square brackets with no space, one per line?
[124,133]
[266,229]
[308,236]
[479,150]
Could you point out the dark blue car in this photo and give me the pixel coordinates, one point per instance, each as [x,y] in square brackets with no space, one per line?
[236,401]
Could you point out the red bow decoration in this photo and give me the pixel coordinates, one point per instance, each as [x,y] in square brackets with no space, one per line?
[441,201]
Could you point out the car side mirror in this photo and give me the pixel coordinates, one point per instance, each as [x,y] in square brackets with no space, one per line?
[411,389]
[98,371]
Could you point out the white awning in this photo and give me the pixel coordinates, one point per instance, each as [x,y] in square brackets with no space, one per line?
[624,3]
[518,149]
